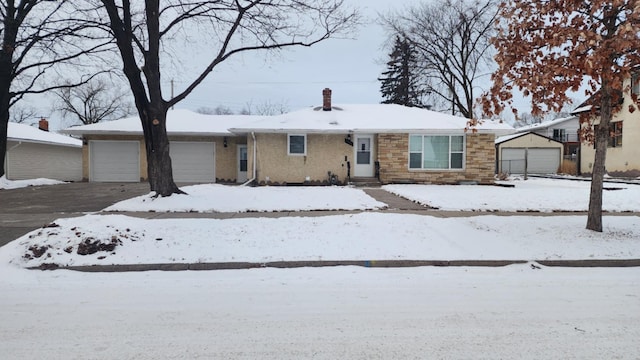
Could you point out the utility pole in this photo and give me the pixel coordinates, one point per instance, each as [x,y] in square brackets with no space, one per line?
[172,93]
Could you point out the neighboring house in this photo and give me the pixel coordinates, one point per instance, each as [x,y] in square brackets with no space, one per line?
[564,130]
[529,153]
[202,149]
[37,153]
[396,144]
[623,152]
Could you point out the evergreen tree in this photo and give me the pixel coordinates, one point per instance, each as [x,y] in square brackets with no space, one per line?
[399,84]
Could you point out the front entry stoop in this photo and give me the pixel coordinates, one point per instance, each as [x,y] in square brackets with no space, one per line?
[365,182]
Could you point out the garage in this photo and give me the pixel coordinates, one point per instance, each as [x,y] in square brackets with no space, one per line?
[543,155]
[114,161]
[193,161]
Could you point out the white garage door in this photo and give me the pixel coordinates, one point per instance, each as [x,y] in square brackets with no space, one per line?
[114,161]
[539,161]
[512,161]
[193,161]
[544,161]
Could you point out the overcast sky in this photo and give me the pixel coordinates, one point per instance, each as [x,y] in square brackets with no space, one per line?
[296,77]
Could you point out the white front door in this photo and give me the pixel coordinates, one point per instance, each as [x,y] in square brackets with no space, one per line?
[242,163]
[364,165]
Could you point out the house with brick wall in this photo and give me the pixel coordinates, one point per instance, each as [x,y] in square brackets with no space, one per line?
[390,143]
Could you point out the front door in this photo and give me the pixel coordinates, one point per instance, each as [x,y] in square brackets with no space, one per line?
[364,166]
[242,163]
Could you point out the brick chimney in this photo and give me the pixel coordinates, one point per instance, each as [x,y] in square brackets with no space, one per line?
[326,99]
[43,124]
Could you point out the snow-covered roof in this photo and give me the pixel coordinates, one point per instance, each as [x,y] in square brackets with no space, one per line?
[505,138]
[370,118]
[544,125]
[26,133]
[179,122]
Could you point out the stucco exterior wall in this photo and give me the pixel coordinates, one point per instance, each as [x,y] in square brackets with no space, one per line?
[324,153]
[620,161]
[393,154]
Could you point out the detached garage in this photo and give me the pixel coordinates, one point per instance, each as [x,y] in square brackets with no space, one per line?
[528,152]
[37,153]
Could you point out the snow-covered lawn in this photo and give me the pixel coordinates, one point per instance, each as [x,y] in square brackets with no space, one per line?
[221,198]
[15,184]
[118,239]
[534,194]
[365,236]
[513,312]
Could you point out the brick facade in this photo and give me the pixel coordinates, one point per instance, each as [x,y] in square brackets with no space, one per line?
[480,155]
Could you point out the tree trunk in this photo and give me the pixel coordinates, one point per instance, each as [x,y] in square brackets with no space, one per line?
[594,217]
[5,98]
[159,168]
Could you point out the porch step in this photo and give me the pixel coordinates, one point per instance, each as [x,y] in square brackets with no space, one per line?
[365,182]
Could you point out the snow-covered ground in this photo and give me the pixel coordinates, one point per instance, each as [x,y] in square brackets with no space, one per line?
[223,198]
[118,239]
[534,194]
[518,311]
[513,312]
[15,184]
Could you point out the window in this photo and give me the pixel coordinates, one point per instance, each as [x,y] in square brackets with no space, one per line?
[436,152]
[615,131]
[296,144]
[615,134]
[635,84]
[559,134]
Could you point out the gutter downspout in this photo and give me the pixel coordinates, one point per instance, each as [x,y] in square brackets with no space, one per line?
[254,170]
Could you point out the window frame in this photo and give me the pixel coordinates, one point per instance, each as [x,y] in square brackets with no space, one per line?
[450,152]
[615,134]
[635,83]
[304,144]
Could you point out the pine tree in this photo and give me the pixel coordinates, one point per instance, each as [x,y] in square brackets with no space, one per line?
[399,84]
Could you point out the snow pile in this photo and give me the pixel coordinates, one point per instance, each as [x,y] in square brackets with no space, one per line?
[16,184]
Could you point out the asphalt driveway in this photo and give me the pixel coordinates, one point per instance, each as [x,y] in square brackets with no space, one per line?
[25,209]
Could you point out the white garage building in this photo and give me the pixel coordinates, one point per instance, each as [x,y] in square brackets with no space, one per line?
[528,152]
[37,153]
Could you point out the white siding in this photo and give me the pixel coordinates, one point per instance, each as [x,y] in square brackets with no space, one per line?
[32,160]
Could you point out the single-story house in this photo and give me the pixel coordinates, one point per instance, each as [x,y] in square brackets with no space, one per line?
[528,152]
[393,143]
[37,153]
[623,152]
[201,148]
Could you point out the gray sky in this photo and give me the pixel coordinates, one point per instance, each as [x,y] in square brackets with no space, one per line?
[296,77]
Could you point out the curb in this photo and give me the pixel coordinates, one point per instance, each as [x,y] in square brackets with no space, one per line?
[331,263]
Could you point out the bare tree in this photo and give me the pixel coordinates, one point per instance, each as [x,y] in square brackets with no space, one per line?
[218,110]
[546,48]
[93,102]
[453,48]
[240,26]
[23,114]
[39,37]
